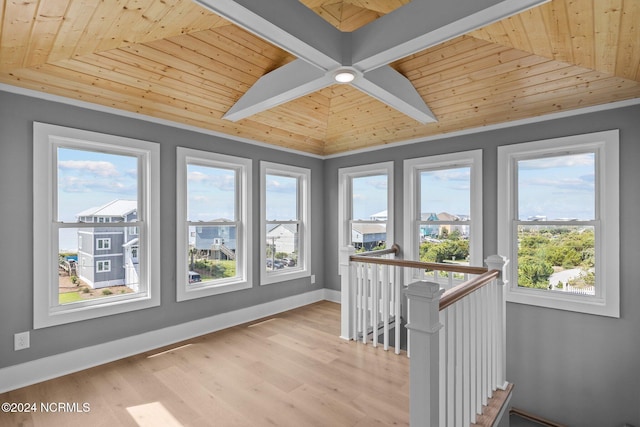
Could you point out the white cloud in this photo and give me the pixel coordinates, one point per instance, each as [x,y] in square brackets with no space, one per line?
[102,169]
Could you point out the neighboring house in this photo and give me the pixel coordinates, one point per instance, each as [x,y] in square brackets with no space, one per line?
[284,237]
[217,241]
[435,230]
[380,216]
[368,236]
[108,256]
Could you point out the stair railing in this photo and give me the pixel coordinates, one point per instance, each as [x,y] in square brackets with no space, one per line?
[456,336]
[371,297]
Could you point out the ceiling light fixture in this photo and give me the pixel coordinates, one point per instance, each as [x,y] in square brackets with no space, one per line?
[344,76]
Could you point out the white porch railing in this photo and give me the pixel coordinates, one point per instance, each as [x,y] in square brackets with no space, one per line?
[456,337]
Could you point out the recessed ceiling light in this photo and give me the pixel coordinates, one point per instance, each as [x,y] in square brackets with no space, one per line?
[344,76]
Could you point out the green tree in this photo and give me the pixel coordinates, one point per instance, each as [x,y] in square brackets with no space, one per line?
[534,273]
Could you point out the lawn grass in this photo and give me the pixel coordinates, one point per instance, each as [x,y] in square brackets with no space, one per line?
[68,297]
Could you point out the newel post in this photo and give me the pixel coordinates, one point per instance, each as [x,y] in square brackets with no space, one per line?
[347,293]
[423,324]
[497,262]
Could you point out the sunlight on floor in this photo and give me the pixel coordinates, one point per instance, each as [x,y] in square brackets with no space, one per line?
[152,415]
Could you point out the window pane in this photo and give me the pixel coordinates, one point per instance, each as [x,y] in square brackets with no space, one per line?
[445,198]
[212,253]
[281,198]
[282,246]
[369,198]
[445,195]
[96,187]
[369,236]
[557,188]
[560,258]
[211,193]
[89,270]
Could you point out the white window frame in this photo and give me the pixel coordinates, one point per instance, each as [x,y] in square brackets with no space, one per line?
[303,266]
[47,139]
[412,215]
[605,145]
[106,243]
[345,208]
[243,279]
[103,266]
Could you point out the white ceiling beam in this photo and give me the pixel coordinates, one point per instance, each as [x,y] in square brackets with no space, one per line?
[421,24]
[389,86]
[322,49]
[287,24]
[291,81]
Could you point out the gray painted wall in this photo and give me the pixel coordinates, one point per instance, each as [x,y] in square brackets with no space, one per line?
[576,369]
[17,114]
[580,370]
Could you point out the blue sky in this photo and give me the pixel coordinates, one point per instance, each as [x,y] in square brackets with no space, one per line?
[446,190]
[88,179]
[211,193]
[282,197]
[557,187]
[369,196]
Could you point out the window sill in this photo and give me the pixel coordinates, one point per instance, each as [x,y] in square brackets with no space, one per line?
[270,278]
[564,301]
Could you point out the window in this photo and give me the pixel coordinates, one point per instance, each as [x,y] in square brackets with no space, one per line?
[103,266]
[104,244]
[81,178]
[214,227]
[284,231]
[558,222]
[443,215]
[366,206]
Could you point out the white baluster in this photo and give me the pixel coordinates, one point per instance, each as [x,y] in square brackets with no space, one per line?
[397,311]
[386,283]
[347,292]
[375,303]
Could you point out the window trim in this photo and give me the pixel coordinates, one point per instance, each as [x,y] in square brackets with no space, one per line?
[106,262]
[303,267]
[345,177]
[412,169]
[46,139]
[605,145]
[106,243]
[244,251]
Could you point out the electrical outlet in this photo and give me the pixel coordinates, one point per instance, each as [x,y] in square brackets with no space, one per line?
[313,279]
[21,341]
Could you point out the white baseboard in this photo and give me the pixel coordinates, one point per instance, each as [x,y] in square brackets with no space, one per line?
[332,295]
[35,371]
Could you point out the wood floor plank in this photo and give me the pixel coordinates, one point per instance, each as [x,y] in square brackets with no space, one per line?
[291,369]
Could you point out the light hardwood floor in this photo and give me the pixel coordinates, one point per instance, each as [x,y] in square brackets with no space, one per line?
[287,370]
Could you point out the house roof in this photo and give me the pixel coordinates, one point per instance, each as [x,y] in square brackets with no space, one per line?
[119,207]
[442,216]
[368,228]
[280,228]
[380,215]
[181,62]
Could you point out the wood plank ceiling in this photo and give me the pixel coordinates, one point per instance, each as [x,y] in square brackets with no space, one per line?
[174,60]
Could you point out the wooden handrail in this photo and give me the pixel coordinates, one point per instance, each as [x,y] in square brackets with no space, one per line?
[395,249]
[456,293]
[455,268]
[534,418]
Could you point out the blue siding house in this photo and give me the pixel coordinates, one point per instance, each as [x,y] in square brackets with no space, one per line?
[108,256]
